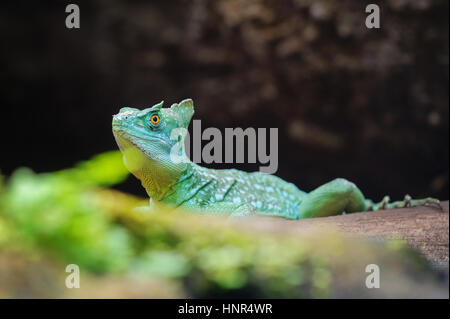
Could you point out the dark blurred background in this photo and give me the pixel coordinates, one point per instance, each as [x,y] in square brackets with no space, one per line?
[370,105]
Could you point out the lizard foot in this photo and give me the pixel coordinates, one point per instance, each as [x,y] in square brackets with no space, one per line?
[406,202]
[371,206]
[429,201]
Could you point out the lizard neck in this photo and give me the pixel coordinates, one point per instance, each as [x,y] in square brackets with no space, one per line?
[158,178]
[155,169]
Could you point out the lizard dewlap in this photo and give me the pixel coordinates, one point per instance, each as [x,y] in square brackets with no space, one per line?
[146,141]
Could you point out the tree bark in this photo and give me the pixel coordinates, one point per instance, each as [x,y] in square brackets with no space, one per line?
[425,229]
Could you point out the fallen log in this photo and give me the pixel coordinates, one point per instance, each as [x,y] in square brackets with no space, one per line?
[423,228]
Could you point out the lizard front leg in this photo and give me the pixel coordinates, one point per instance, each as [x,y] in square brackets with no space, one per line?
[244,210]
[232,210]
[152,207]
[221,209]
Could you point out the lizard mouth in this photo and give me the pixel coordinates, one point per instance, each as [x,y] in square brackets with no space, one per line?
[123,133]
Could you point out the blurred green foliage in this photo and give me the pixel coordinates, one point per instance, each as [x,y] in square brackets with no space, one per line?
[70,217]
[54,212]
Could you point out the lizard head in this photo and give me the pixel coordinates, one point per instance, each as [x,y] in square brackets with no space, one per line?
[144,137]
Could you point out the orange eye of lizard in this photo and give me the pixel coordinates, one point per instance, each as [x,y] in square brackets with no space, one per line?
[154,119]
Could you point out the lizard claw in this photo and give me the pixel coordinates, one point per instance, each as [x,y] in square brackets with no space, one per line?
[434,202]
[407,200]
[384,203]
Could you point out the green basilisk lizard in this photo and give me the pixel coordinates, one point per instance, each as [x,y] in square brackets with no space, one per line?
[146,141]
